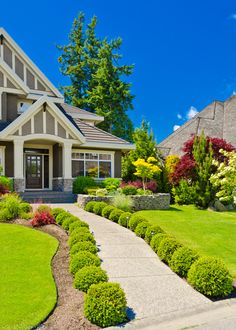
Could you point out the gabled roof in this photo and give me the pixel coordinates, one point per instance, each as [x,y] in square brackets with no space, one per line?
[28,61]
[75,112]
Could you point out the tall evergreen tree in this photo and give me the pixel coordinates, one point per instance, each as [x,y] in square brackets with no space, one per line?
[97,79]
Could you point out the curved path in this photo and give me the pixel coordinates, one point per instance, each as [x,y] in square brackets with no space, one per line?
[152,289]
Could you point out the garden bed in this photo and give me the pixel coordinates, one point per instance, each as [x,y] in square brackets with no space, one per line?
[150,202]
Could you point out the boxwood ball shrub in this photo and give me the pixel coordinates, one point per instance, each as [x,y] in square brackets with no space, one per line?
[82,182]
[167,248]
[151,231]
[211,277]
[97,209]
[82,259]
[67,221]
[124,219]
[141,229]
[115,215]
[89,206]
[156,241]
[61,216]
[83,246]
[135,220]
[56,211]
[76,224]
[107,210]
[80,237]
[129,190]
[25,207]
[105,304]
[182,260]
[80,230]
[89,275]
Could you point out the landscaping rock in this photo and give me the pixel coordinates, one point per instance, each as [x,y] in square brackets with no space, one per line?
[221,207]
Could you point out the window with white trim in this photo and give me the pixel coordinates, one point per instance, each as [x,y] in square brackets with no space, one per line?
[2,160]
[95,164]
[23,105]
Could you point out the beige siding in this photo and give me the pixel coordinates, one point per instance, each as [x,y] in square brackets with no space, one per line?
[117,165]
[50,124]
[38,123]
[41,87]
[57,161]
[10,84]
[61,131]
[9,158]
[19,67]
[7,55]
[26,128]
[11,107]
[1,79]
[30,80]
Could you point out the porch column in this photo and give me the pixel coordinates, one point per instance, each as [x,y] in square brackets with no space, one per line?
[67,166]
[19,181]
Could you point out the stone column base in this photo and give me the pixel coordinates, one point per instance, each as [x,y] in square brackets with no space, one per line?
[19,185]
[60,184]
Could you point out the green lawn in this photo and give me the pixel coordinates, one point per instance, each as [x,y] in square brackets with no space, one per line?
[27,289]
[211,233]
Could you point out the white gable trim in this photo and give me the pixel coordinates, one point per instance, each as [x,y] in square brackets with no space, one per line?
[30,63]
[33,110]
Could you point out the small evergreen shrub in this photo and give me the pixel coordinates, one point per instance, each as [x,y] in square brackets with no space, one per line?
[82,182]
[101,192]
[123,202]
[135,220]
[83,246]
[56,211]
[156,241]
[141,229]
[89,275]
[11,202]
[80,230]
[97,209]
[26,216]
[107,210]
[67,221]
[211,277]
[76,224]
[5,185]
[82,237]
[129,190]
[115,215]
[124,219]
[182,260]
[62,216]
[151,231]
[82,259]
[5,215]
[42,219]
[89,206]
[25,207]
[44,208]
[105,304]
[167,248]
[111,184]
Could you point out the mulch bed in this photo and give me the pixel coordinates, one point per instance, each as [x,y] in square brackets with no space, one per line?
[68,313]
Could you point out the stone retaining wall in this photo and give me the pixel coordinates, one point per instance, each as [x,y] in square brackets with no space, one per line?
[150,202]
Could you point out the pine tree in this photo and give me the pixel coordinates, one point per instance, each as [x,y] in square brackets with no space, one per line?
[97,79]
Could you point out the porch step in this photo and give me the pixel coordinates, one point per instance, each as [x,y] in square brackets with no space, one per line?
[41,197]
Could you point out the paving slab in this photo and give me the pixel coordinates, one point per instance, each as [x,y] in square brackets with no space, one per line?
[151,288]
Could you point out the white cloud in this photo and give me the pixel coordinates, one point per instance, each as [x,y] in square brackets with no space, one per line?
[234,93]
[233,16]
[176,127]
[179,116]
[191,112]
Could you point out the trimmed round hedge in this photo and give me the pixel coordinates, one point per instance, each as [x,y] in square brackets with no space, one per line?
[78,223]
[89,275]
[211,277]
[141,229]
[62,216]
[80,230]
[83,246]
[107,211]
[105,304]
[135,220]
[89,206]
[124,219]
[80,237]
[151,231]
[97,209]
[156,241]
[82,259]
[167,248]
[182,260]
[115,215]
[56,211]
[67,221]
[25,207]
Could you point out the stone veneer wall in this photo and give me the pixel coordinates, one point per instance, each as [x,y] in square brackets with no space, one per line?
[150,202]
[60,184]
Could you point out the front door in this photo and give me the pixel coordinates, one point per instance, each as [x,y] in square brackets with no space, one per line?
[34,177]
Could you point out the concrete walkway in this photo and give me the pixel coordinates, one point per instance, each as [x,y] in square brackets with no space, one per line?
[152,289]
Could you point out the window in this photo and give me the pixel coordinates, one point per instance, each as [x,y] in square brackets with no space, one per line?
[23,105]
[95,164]
[2,160]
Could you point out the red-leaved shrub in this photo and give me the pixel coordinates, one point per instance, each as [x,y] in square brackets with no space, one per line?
[150,185]
[3,189]
[42,219]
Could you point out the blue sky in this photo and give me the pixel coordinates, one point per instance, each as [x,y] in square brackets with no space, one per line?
[184,51]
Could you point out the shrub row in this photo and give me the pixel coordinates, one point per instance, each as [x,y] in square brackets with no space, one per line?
[105,303]
[208,275]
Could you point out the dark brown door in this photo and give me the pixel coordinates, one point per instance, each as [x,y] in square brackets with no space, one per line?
[34,172]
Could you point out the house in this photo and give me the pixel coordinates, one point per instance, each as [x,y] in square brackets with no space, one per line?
[218,120]
[44,142]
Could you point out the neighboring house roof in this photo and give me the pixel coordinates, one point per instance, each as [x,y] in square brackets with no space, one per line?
[218,119]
